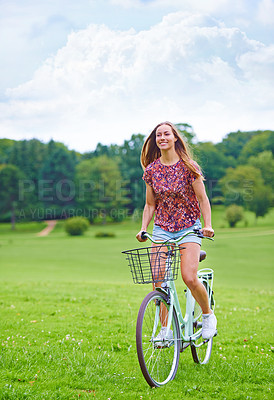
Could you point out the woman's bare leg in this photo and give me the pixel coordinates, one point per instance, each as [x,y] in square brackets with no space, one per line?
[189,266]
[160,264]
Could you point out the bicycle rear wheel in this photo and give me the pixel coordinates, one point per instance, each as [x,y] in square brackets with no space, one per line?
[201,348]
[158,359]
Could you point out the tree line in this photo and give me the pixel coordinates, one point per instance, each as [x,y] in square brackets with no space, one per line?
[41,181]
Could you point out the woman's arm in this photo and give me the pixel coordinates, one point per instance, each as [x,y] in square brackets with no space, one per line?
[199,189]
[148,211]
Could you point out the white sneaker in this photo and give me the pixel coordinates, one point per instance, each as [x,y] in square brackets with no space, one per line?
[163,337]
[209,326]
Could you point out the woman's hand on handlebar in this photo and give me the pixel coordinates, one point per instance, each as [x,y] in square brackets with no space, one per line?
[139,236]
[207,231]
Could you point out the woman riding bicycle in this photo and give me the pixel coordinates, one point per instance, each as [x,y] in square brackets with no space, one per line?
[176,194]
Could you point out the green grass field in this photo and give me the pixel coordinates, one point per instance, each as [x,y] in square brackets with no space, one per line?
[68,311]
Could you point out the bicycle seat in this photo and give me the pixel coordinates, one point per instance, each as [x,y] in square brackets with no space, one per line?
[202,255]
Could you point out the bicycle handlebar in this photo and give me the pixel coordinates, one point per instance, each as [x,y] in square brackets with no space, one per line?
[197,232]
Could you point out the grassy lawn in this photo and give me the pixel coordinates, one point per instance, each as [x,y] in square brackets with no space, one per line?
[68,311]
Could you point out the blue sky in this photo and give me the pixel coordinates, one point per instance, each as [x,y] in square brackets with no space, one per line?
[89,71]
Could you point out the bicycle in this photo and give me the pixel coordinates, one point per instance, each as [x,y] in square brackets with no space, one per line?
[159,349]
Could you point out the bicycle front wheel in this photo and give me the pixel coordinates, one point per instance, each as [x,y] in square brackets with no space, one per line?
[158,353]
[201,348]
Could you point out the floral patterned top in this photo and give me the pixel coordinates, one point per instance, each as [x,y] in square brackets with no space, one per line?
[177,206]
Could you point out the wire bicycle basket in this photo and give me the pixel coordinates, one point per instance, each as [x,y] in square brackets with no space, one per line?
[153,264]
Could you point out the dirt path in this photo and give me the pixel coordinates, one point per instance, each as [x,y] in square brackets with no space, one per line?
[50,226]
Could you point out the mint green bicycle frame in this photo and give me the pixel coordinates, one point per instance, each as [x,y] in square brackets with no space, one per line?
[168,288]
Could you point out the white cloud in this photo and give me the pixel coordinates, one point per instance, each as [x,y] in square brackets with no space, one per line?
[207,7]
[266,12]
[105,84]
[258,65]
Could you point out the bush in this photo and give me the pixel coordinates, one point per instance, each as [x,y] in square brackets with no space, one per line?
[234,214]
[104,235]
[76,226]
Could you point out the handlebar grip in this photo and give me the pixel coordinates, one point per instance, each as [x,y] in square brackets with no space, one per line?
[143,235]
[200,234]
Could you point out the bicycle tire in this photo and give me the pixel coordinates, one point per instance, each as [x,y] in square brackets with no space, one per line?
[158,364]
[201,349]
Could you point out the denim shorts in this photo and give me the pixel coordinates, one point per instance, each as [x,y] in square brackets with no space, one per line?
[160,234]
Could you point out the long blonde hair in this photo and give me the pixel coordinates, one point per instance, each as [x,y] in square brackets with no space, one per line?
[150,151]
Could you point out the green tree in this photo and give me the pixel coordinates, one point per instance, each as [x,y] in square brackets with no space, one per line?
[234,214]
[239,184]
[265,163]
[111,151]
[187,132]
[5,148]
[100,188]
[214,164]
[56,183]
[10,177]
[127,156]
[261,201]
[234,142]
[86,189]
[244,186]
[29,156]
[262,141]
[132,172]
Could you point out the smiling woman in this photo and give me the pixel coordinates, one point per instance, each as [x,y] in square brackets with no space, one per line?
[175,193]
